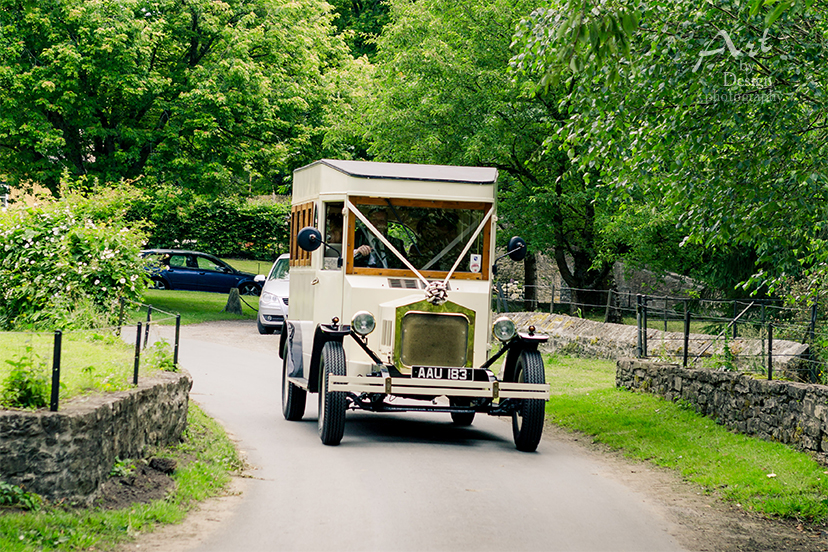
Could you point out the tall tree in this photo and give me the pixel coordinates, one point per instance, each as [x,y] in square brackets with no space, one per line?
[441,93]
[714,113]
[361,22]
[216,96]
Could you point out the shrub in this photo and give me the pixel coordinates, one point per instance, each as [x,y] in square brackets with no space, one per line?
[65,264]
[12,495]
[27,385]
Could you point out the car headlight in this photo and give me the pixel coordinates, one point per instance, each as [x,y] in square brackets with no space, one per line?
[268,298]
[503,329]
[363,323]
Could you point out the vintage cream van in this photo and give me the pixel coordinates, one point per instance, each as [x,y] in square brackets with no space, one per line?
[390,299]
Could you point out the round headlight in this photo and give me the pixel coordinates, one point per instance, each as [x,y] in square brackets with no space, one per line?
[363,323]
[503,329]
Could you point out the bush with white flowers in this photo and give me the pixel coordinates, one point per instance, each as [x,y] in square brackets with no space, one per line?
[63,266]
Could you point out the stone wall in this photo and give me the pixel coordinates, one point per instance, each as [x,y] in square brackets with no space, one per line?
[787,412]
[577,336]
[67,455]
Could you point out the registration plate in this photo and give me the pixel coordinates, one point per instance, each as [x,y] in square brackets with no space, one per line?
[454,374]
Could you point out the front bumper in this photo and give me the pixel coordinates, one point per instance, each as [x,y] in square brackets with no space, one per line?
[431,388]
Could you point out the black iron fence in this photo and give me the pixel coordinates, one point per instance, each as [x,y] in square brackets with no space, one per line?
[84,362]
[762,336]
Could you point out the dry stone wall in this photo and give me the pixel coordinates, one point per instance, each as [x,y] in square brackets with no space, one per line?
[67,455]
[783,411]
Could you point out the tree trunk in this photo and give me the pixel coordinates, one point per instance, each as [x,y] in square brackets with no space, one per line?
[530,285]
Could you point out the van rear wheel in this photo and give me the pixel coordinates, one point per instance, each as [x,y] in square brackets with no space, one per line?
[332,404]
[527,420]
[293,397]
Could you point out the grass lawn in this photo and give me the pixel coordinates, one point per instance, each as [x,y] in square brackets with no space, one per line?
[770,478]
[193,306]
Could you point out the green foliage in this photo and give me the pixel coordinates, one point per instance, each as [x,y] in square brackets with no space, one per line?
[223,226]
[702,112]
[122,468]
[66,264]
[12,495]
[360,23]
[159,356]
[27,385]
[214,96]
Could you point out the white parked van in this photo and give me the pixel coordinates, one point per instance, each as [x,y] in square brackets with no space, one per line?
[391,289]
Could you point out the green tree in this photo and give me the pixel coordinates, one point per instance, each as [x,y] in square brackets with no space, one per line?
[713,113]
[361,22]
[441,93]
[215,96]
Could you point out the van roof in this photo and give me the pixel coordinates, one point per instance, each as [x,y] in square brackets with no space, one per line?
[406,171]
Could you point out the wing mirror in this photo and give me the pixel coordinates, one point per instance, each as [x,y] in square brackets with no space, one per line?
[309,239]
[515,250]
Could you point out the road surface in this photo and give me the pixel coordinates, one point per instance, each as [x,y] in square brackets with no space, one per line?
[400,481]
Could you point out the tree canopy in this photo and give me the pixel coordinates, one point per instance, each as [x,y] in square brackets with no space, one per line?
[714,113]
[216,96]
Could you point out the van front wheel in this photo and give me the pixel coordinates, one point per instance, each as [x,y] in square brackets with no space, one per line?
[332,404]
[527,421]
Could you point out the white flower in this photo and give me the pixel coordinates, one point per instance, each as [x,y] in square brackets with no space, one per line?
[122,280]
[97,282]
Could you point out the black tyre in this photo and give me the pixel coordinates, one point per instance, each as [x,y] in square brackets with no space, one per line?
[461,418]
[293,397]
[332,404]
[160,283]
[264,330]
[527,421]
[249,289]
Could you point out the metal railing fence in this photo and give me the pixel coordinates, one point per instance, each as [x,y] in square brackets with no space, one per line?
[78,362]
[729,334]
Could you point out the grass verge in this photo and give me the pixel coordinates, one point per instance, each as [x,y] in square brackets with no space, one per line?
[91,361]
[769,478]
[205,458]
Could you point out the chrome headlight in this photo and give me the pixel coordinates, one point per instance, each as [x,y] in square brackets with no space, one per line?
[503,329]
[363,323]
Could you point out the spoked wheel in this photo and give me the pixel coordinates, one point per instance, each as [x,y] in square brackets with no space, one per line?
[160,283]
[461,418]
[249,289]
[293,397]
[332,404]
[527,421]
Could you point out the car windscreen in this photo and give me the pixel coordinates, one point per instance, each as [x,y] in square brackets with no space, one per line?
[280,270]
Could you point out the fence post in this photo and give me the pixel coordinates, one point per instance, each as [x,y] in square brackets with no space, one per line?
[609,302]
[644,334]
[639,344]
[686,335]
[146,330]
[665,314]
[735,314]
[177,334]
[552,302]
[770,352]
[812,369]
[53,403]
[137,354]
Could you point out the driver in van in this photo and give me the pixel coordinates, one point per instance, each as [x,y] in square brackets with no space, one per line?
[369,251]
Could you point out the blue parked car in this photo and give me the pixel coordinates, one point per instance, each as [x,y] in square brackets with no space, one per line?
[196,271]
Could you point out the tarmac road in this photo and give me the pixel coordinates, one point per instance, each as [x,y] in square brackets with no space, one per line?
[400,481]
